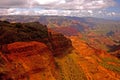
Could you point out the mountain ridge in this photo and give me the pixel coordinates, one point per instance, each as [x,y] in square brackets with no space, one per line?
[40,53]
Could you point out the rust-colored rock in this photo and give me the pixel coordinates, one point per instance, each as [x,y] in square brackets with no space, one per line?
[59,44]
[97,64]
[29,60]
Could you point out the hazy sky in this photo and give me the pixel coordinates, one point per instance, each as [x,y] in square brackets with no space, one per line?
[96,8]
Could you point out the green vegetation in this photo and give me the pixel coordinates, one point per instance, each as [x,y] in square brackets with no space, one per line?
[103,34]
[104,28]
[111,60]
[31,31]
[69,69]
[13,32]
[111,67]
[115,66]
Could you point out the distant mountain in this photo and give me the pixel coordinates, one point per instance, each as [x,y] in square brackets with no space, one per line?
[44,19]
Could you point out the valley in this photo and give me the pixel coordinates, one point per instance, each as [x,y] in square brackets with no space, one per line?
[59,48]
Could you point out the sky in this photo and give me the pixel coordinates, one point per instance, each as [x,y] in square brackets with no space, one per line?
[79,8]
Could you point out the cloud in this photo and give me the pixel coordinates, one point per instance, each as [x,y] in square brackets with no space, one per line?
[71,4]
[13,3]
[57,4]
[57,7]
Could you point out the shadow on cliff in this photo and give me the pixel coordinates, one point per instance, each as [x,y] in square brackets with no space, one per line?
[32,31]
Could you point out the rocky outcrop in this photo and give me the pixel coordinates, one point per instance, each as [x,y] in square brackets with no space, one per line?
[27,51]
[30,51]
[28,60]
[34,31]
[59,43]
[96,63]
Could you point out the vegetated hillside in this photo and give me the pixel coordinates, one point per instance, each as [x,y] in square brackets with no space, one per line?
[27,51]
[31,51]
[54,22]
[103,35]
[34,31]
[96,63]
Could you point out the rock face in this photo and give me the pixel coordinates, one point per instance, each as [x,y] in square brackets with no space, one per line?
[33,31]
[30,51]
[29,60]
[59,43]
[27,51]
[96,63]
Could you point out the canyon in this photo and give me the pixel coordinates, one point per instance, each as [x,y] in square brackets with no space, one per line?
[33,51]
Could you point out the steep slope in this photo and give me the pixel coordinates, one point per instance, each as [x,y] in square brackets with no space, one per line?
[33,31]
[25,56]
[31,51]
[28,60]
[96,63]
